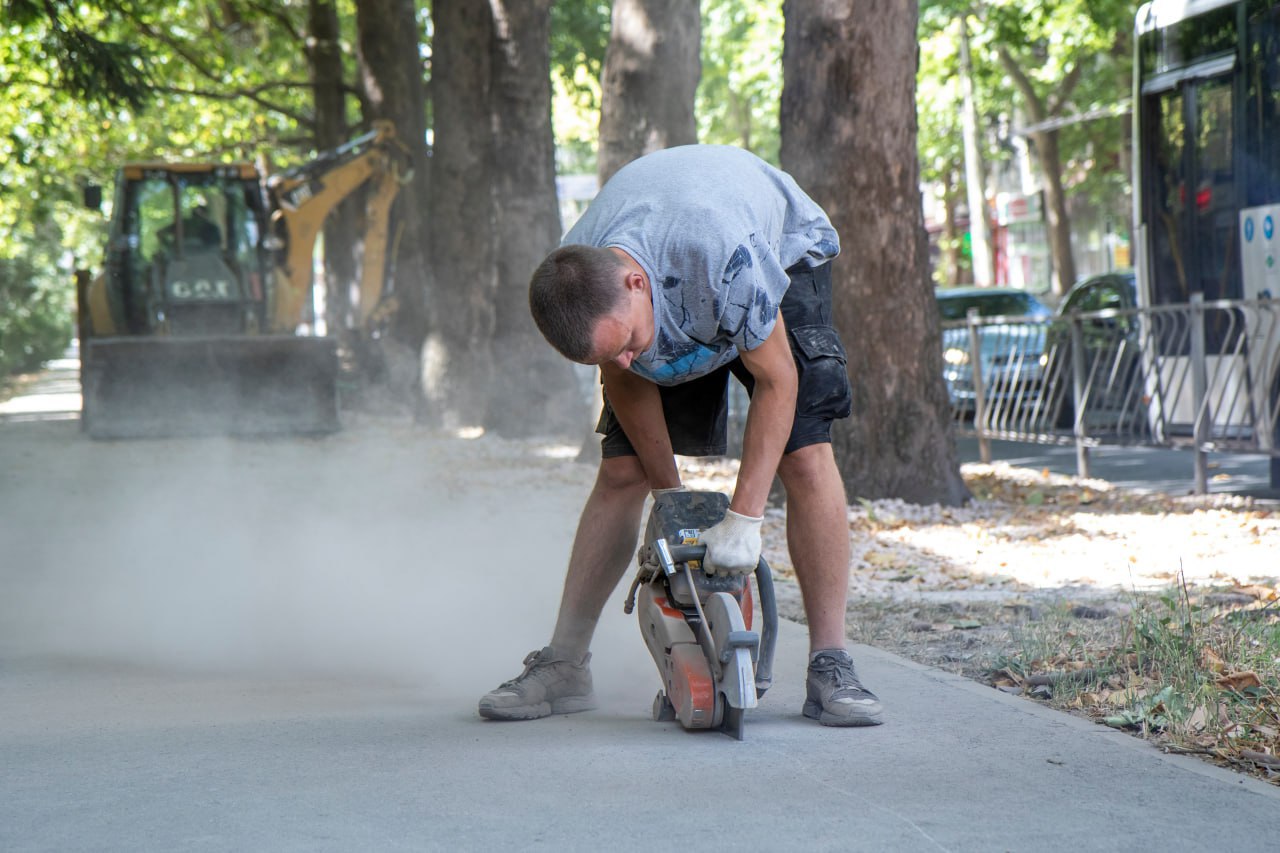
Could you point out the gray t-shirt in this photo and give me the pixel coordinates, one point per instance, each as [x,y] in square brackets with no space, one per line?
[715,228]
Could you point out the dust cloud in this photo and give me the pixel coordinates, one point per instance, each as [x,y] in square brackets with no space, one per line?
[380,552]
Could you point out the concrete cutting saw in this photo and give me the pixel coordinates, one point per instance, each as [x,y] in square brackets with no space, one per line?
[698,626]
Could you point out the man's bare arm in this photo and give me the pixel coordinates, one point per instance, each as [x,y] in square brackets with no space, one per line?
[638,406]
[769,419]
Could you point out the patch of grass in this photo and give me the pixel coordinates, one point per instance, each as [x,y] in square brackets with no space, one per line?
[1193,671]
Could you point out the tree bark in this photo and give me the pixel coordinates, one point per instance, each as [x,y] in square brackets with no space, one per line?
[954,272]
[456,360]
[1057,218]
[534,390]
[650,77]
[849,138]
[393,88]
[324,55]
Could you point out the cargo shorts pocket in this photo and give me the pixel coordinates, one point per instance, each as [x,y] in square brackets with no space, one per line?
[824,390]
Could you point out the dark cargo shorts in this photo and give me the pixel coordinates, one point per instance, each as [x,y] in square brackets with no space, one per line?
[697,411]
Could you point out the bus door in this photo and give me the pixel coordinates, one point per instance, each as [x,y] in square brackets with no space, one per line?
[1259,227]
[1193,192]
[1193,202]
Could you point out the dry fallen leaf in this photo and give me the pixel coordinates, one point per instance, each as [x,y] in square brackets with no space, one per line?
[1238,681]
[880,559]
[1211,661]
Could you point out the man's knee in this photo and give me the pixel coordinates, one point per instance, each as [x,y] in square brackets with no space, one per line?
[622,474]
[808,468]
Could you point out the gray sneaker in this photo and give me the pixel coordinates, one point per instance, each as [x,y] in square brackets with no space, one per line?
[835,696]
[547,686]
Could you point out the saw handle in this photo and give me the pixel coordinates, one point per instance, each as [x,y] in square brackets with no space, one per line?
[686,553]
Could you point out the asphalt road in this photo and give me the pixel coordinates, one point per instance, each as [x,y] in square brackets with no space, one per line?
[233,646]
[1144,469]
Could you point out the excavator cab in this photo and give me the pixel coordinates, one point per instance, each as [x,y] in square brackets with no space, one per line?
[188,253]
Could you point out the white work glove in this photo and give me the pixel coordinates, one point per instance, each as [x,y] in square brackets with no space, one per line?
[733,545]
[657,493]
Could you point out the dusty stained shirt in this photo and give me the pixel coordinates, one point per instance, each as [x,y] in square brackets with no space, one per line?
[714,228]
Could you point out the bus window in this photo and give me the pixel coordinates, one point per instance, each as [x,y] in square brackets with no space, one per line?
[1262,112]
[1187,41]
[1215,216]
[1168,188]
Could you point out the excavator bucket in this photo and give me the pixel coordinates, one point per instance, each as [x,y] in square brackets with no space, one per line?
[144,387]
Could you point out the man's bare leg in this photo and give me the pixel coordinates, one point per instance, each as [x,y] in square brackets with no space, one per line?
[818,539]
[603,547]
[557,679]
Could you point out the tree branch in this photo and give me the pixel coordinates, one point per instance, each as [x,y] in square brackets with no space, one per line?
[254,94]
[1035,106]
[1065,88]
[273,11]
[181,49]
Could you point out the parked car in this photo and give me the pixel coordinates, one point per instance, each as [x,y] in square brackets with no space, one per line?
[1112,363]
[1117,290]
[1010,352]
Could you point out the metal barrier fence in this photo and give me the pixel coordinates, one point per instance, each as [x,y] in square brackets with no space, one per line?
[1204,376]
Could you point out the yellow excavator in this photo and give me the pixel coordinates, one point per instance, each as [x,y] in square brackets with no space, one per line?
[200,322]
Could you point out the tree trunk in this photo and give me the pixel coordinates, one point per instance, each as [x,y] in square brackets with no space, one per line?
[324,54]
[953,272]
[975,170]
[1057,219]
[849,138]
[456,360]
[650,77]
[391,83]
[534,390]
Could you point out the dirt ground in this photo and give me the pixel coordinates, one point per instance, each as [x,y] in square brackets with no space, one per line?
[1033,554]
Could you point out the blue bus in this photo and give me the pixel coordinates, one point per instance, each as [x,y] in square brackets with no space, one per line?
[1207,204]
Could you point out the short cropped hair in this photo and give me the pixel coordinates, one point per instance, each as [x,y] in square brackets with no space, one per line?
[570,291]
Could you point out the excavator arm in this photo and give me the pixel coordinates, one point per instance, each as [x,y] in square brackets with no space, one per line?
[303,199]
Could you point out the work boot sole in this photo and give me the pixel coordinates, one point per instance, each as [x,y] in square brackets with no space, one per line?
[813,710]
[565,705]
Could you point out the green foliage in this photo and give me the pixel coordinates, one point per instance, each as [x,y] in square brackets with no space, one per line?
[35,321]
[741,84]
[75,58]
[738,94]
[579,38]
[90,85]
[1072,57]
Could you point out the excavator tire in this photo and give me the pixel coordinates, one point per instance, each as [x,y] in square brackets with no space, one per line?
[156,387]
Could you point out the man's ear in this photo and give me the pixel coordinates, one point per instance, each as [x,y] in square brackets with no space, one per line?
[635,281]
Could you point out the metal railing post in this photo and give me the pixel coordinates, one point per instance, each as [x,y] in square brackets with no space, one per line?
[1079,394]
[979,390]
[1199,393]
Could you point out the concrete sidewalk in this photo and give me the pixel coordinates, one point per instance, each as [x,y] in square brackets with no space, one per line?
[102,758]
[375,551]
